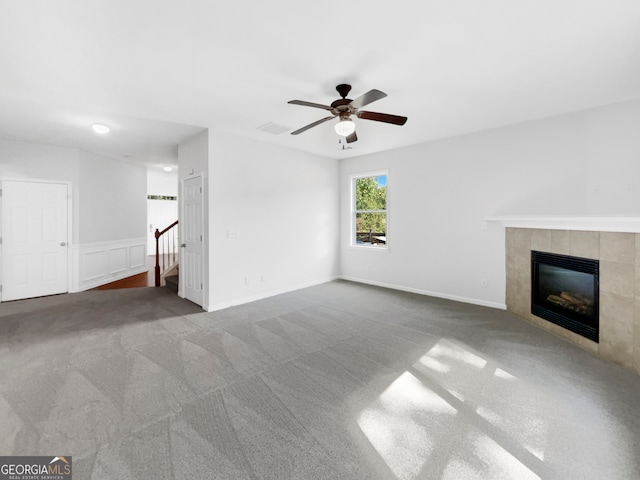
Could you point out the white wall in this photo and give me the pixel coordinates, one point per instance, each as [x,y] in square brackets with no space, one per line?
[160,182]
[440,193]
[613,159]
[108,207]
[109,196]
[283,206]
[32,161]
[113,199]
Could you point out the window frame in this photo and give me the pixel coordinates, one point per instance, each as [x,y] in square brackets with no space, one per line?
[353,212]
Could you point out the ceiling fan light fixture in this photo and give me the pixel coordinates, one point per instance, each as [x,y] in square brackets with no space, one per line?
[345,127]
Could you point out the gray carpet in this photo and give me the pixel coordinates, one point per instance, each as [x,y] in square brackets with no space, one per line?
[337,381]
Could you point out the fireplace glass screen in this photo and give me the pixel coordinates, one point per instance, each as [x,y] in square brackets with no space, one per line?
[564,290]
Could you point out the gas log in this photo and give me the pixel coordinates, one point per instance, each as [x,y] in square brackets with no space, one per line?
[572,301]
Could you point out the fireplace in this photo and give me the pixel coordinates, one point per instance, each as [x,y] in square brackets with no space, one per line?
[564,290]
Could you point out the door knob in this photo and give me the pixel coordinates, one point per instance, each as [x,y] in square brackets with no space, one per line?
[63,244]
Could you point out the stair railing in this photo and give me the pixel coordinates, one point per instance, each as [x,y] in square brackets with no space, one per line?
[166,248]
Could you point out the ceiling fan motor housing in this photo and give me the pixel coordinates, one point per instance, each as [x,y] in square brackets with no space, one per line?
[343,89]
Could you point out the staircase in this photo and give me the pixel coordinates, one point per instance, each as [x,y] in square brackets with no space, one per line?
[171,282]
[167,258]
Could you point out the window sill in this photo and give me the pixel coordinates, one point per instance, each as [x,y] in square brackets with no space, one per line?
[369,248]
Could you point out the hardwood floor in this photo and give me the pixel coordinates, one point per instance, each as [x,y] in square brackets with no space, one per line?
[135,281]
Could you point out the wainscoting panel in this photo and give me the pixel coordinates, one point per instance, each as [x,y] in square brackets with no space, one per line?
[137,256]
[100,263]
[118,261]
[94,265]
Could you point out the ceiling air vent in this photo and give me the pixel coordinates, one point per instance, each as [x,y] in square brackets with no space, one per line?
[273,128]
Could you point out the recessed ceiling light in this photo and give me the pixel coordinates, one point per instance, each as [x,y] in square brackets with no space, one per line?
[99,128]
[167,169]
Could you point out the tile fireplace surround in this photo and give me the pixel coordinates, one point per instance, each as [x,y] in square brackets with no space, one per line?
[619,256]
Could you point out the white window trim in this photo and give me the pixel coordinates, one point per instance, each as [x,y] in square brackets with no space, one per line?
[352,211]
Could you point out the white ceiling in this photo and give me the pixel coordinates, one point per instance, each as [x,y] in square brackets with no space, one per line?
[158,71]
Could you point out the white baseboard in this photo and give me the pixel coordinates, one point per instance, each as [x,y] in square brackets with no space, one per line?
[95,264]
[474,301]
[456,298]
[262,296]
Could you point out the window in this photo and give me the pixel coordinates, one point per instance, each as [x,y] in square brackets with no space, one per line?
[369,219]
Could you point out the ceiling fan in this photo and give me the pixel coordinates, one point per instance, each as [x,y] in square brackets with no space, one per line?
[345,107]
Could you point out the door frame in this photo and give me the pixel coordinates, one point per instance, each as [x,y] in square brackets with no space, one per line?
[70,272]
[181,217]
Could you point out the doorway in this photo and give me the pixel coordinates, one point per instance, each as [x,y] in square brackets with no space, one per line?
[192,228]
[34,222]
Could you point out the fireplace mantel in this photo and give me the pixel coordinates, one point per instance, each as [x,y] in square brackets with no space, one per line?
[617,223]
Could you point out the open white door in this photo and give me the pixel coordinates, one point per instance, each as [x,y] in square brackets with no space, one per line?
[34,239]
[192,261]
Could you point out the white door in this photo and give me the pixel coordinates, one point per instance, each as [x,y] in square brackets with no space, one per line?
[192,261]
[34,239]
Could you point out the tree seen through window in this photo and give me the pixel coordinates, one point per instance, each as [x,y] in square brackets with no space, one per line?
[371,211]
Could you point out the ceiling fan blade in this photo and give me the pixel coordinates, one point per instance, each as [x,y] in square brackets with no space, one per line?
[310,104]
[383,117]
[352,138]
[367,98]
[311,125]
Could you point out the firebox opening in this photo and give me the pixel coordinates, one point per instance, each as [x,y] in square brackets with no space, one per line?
[564,290]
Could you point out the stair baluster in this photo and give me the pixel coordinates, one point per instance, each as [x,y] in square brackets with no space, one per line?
[168,256]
